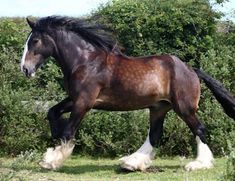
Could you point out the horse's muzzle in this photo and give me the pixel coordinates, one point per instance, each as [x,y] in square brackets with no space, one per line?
[29,72]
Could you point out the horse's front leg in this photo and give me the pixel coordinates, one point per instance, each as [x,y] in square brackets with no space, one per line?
[54,116]
[54,158]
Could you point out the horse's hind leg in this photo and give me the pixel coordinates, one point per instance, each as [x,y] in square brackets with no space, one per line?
[185,97]
[142,158]
[204,159]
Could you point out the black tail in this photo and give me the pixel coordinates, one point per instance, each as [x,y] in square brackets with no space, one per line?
[224,97]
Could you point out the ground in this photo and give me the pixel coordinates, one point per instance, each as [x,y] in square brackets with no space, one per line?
[84,168]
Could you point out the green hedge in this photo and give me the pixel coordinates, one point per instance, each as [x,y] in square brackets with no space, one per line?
[116,133]
[181,27]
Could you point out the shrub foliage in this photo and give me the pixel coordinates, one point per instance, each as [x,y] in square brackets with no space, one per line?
[184,28]
[181,27]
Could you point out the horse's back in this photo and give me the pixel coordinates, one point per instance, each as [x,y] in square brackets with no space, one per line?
[144,74]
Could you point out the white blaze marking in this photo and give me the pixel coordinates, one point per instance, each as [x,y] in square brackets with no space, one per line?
[24,53]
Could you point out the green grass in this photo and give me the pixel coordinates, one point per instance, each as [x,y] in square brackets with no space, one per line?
[84,168]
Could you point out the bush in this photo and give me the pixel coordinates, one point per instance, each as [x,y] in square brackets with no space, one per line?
[181,27]
[20,125]
[11,32]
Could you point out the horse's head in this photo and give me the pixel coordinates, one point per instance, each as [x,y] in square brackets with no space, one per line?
[38,47]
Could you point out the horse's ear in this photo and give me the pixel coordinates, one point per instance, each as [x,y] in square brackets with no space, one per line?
[31,23]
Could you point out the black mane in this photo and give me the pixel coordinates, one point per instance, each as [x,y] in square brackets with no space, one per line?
[97,35]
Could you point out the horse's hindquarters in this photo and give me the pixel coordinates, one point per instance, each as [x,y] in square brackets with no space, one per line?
[185,88]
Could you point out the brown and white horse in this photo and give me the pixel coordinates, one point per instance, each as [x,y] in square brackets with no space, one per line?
[98,76]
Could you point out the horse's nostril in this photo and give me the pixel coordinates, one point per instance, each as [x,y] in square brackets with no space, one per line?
[25,70]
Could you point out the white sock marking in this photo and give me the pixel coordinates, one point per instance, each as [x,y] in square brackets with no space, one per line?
[204,158]
[204,153]
[141,159]
[24,53]
[54,158]
[146,148]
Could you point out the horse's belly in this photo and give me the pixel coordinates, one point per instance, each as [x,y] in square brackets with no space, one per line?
[119,105]
[126,102]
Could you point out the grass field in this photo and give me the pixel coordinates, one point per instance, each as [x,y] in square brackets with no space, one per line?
[84,168]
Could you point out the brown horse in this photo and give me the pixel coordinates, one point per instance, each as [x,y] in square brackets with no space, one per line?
[98,76]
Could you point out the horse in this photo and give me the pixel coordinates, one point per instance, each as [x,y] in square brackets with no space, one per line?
[97,75]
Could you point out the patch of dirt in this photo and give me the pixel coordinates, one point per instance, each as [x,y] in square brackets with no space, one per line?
[149,170]
[154,170]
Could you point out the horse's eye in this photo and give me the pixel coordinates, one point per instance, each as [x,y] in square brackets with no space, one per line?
[35,41]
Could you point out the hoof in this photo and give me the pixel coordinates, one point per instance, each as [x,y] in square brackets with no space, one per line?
[136,161]
[45,165]
[196,165]
[54,157]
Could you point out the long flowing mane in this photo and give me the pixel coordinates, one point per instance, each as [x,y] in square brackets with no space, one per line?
[94,33]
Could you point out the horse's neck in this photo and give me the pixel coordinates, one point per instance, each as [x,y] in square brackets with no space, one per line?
[72,52]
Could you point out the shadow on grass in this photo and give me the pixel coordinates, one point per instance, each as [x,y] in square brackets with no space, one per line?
[157,169]
[89,168]
[115,168]
[81,169]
